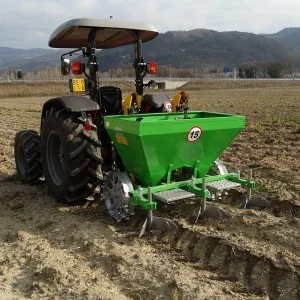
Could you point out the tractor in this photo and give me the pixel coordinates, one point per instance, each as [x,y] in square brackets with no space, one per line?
[133,151]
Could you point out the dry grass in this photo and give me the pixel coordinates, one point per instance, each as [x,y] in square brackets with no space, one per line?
[29,89]
[244,84]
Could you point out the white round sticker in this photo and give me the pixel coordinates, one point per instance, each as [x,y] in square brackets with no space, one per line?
[194,134]
[168,106]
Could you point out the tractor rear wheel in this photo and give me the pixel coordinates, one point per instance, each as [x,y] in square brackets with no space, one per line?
[71,157]
[28,156]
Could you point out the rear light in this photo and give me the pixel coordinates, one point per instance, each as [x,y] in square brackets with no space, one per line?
[104,152]
[87,126]
[152,67]
[77,67]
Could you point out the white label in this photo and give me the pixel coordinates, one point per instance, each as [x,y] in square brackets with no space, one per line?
[168,106]
[194,134]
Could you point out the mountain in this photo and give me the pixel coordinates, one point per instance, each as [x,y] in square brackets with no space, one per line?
[289,36]
[180,49]
[28,60]
[10,54]
[202,47]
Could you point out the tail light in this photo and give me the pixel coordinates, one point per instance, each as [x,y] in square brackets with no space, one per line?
[77,67]
[152,67]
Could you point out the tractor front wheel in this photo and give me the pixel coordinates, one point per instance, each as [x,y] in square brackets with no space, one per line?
[71,157]
[28,156]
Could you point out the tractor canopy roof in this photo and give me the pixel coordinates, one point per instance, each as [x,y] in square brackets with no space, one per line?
[110,34]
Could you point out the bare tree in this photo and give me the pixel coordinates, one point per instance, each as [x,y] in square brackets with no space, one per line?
[275,69]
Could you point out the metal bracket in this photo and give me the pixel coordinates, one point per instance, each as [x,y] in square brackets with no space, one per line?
[144,203]
[169,173]
[196,168]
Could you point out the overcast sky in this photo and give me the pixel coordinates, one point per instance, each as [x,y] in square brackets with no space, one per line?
[29,23]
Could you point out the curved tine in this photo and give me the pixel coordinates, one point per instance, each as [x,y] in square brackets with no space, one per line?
[215,212]
[258,201]
[143,230]
[255,201]
[163,224]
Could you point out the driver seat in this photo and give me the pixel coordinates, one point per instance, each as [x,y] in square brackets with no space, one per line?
[110,100]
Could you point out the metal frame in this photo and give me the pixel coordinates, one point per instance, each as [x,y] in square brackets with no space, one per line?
[113,33]
[191,185]
[116,33]
[141,68]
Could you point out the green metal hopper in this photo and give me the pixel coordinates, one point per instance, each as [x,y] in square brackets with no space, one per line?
[160,143]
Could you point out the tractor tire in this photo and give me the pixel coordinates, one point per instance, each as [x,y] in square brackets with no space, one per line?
[71,157]
[28,156]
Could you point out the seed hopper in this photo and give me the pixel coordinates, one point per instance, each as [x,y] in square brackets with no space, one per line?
[168,157]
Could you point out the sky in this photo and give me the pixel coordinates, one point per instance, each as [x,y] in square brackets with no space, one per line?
[29,23]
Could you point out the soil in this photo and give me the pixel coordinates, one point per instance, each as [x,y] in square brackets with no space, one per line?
[49,250]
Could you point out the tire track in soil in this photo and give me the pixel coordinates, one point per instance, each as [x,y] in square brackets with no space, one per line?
[253,271]
[256,235]
[256,272]
[49,248]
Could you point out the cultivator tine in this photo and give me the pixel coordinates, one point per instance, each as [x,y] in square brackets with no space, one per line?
[209,211]
[144,227]
[258,201]
[215,212]
[156,223]
[163,224]
[255,201]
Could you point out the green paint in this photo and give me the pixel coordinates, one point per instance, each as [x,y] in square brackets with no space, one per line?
[144,203]
[160,140]
[186,185]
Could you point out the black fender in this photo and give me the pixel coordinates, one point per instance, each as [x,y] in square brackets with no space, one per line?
[70,103]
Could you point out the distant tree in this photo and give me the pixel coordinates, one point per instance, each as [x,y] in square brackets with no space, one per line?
[262,69]
[184,73]
[241,72]
[250,71]
[19,75]
[247,70]
[213,70]
[163,71]
[289,67]
[12,74]
[274,69]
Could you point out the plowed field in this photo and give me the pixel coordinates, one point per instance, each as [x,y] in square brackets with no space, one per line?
[49,250]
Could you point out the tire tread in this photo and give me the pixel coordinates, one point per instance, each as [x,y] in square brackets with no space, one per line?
[29,141]
[82,153]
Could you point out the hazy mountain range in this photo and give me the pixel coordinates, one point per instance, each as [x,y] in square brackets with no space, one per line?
[185,49]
